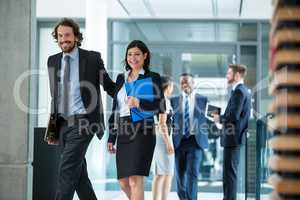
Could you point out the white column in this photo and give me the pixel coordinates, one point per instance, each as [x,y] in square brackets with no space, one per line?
[96,26]
[96,40]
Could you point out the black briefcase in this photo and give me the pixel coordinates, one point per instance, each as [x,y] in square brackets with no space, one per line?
[52,128]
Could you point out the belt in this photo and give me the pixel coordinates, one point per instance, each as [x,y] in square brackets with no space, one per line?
[72,119]
[125,117]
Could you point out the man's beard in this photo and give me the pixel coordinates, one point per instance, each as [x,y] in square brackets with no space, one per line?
[230,81]
[68,49]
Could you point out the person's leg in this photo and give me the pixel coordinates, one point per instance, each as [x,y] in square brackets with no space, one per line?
[194,157]
[157,184]
[84,187]
[124,183]
[226,173]
[230,171]
[166,186]
[136,184]
[72,167]
[180,170]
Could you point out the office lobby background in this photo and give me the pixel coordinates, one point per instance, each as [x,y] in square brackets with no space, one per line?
[197,36]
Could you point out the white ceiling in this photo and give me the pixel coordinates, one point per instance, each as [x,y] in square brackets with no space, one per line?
[59,8]
[179,9]
[196,9]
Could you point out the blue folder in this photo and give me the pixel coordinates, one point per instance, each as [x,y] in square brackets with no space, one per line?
[141,89]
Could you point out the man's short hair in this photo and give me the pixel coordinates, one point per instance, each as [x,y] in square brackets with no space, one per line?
[242,69]
[187,74]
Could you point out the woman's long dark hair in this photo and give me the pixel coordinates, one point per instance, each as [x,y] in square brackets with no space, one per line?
[141,46]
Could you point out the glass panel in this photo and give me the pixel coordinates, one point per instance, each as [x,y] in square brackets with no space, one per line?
[126,31]
[47,47]
[189,32]
[228,32]
[162,63]
[265,151]
[121,31]
[206,65]
[178,31]
[264,80]
[248,57]
[118,59]
[247,32]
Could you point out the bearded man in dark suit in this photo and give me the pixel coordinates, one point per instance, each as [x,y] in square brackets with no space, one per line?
[75,76]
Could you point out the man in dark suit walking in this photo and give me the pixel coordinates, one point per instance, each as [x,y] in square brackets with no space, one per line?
[234,127]
[189,137]
[75,76]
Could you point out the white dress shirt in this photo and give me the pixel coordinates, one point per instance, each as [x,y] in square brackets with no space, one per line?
[122,97]
[237,83]
[122,103]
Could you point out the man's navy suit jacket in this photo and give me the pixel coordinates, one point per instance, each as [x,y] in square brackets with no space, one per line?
[236,117]
[199,121]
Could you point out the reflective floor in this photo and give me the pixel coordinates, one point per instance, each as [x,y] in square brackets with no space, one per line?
[118,195]
[108,189]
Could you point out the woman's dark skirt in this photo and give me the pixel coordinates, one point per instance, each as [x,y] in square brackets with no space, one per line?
[135,147]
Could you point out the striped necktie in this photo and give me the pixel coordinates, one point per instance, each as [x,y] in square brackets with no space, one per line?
[186,117]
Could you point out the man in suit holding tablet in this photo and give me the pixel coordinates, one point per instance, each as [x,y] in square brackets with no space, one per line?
[234,127]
